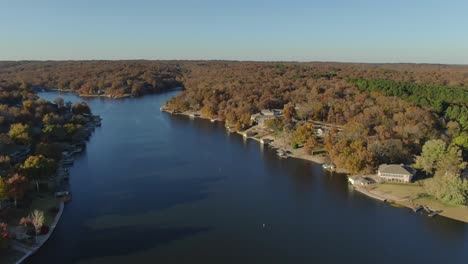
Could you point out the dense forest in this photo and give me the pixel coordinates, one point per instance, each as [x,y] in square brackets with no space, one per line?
[388,113]
[113,79]
[34,133]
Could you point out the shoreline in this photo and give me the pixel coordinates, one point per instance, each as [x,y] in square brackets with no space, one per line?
[108,95]
[28,250]
[277,144]
[44,239]
[409,202]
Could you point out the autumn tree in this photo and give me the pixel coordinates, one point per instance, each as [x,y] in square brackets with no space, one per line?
[80,108]
[21,134]
[310,144]
[36,219]
[3,235]
[38,168]
[289,112]
[54,132]
[59,101]
[5,165]
[3,191]
[16,186]
[303,133]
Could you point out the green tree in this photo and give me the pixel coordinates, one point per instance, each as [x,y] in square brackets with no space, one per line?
[38,168]
[433,151]
[53,151]
[448,188]
[21,134]
[54,132]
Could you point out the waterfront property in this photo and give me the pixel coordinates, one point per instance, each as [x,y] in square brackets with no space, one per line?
[265,114]
[395,172]
[358,180]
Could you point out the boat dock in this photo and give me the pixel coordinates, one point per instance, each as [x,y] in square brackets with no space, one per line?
[434,213]
[417,208]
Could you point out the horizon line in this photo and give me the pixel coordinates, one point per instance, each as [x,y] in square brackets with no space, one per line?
[231,60]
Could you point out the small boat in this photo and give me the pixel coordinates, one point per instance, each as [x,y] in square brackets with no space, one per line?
[76,151]
[61,194]
[281,153]
[68,161]
[329,166]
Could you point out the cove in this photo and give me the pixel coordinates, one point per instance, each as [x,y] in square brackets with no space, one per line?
[152,187]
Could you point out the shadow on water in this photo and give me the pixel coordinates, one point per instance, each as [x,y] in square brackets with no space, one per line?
[166,184]
[133,202]
[109,242]
[144,195]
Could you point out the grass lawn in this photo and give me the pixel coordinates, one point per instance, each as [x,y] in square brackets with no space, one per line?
[402,191]
[413,192]
[42,201]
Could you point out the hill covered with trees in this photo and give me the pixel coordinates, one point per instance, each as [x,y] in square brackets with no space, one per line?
[387,112]
[34,134]
[110,78]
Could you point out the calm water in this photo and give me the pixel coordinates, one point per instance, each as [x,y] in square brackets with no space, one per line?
[156,188]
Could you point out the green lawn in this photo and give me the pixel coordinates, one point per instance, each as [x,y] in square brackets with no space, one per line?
[42,201]
[414,192]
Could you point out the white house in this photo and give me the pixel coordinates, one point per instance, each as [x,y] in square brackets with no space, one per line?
[395,172]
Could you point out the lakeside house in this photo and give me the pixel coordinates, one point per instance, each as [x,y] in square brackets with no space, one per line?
[265,114]
[395,172]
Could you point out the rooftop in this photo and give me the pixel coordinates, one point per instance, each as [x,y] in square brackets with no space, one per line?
[396,169]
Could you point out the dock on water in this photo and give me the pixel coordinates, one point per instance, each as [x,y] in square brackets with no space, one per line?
[434,213]
[427,209]
[417,208]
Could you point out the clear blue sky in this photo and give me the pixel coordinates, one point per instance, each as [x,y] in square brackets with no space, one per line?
[335,30]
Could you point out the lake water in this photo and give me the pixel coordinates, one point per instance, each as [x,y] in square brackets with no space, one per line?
[156,188]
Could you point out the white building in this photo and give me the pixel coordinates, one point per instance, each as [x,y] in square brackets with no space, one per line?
[395,172]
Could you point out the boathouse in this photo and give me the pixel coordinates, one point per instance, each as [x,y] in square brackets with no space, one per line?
[395,172]
[358,180]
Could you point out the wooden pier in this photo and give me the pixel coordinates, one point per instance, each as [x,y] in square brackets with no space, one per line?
[434,213]
[417,208]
